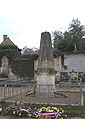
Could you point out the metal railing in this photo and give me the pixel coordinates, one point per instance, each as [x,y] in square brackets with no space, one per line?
[65,93]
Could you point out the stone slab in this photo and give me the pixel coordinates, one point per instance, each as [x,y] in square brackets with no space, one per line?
[46,80]
[45,86]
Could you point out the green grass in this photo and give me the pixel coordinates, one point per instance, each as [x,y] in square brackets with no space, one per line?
[76,111]
[84,98]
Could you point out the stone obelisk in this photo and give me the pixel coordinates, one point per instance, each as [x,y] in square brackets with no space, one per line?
[45,77]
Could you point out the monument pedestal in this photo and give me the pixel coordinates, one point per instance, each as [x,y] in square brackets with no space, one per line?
[45,86]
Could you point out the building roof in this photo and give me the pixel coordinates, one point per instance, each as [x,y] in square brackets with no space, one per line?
[7,41]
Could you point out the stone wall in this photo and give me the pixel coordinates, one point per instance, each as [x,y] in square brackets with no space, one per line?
[75,61]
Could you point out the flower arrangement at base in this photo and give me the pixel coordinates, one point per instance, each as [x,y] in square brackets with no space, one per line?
[17,109]
[23,110]
[50,112]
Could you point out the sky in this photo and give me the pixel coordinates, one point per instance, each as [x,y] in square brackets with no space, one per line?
[24,20]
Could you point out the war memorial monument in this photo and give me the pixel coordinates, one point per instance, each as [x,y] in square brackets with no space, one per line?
[46,76]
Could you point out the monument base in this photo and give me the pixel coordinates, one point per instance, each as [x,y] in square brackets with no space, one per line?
[45,86]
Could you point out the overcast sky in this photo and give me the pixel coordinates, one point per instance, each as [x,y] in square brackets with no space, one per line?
[24,20]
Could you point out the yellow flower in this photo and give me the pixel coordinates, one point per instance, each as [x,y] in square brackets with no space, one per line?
[57,110]
[62,111]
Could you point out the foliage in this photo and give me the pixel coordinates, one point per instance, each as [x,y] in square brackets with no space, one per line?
[23,67]
[10,51]
[74,37]
[8,47]
[58,37]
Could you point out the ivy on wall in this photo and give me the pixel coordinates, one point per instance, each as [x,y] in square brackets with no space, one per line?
[10,51]
[23,67]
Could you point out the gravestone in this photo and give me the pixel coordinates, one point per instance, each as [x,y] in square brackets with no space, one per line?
[11,75]
[4,65]
[46,76]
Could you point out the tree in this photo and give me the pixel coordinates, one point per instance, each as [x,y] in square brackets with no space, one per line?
[57,39]
[75,36]
[77,33]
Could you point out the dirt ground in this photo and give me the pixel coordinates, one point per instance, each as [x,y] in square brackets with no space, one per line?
[11,117]
[75,118]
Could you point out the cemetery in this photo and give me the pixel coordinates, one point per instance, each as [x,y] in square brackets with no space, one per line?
[48,85]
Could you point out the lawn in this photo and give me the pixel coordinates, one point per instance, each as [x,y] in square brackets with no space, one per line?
[76,111]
